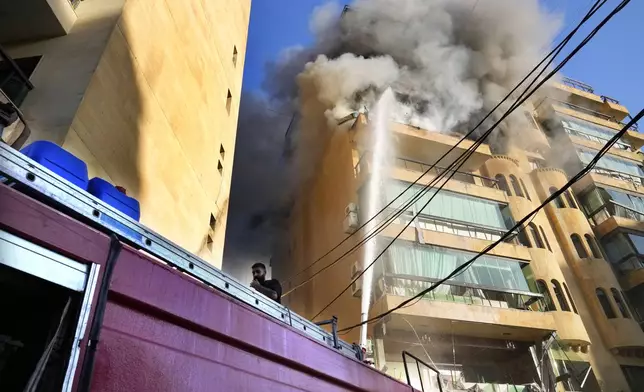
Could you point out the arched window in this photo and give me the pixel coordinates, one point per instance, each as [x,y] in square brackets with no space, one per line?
[558,201]
[572,303]
[537,237]
[571,199]
[516,186]
[579,247]
[605,303]
[561,298]
[542,288]
[592,244]
[621,305]
[503,184]
[523,238]
[543,234]
[525,190]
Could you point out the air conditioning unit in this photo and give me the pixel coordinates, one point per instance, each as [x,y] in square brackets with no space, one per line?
[351,223]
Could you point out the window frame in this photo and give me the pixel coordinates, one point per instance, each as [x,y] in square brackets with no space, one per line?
[579,246]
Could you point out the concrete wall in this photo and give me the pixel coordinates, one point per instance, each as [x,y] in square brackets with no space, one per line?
[147,93]
[66,68]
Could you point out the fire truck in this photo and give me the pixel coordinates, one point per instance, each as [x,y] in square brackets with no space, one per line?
[94,301]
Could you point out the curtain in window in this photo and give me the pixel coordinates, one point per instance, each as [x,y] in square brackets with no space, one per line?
[516,186]
[543,234]
[611,163]
[406,258]
[503,184]
[543,289]
[450,205]
[558,200]
[593,246]
[574,308]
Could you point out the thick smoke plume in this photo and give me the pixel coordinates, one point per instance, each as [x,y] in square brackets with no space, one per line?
[449,62]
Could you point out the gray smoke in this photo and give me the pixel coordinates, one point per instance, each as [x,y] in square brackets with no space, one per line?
[449,62]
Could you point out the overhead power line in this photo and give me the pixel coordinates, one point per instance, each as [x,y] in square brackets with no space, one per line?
[520,100]
[568,57]
[421,192]
[552,197]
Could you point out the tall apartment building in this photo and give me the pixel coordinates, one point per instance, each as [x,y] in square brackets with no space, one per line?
[145,92]
[573,274]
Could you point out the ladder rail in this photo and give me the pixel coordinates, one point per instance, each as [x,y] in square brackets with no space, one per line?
[25,171]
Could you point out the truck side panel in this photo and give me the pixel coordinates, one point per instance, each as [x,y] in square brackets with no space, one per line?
[164,331]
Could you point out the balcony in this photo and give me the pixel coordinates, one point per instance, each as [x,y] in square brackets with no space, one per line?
[583,95]
[14,87]
[29,20]
[429,145]
[408,170]
[635,180]
[473,311]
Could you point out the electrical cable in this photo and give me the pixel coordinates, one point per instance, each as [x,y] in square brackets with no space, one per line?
[552,197]
[520,100]
[554,52]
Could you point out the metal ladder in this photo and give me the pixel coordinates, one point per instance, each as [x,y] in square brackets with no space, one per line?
[23,170]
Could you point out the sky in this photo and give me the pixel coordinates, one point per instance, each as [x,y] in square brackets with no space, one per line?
[613,62]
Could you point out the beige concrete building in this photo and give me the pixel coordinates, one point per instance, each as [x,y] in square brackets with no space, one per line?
[145,92]
[574,272]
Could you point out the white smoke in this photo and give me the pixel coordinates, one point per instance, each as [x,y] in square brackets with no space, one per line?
[449,61]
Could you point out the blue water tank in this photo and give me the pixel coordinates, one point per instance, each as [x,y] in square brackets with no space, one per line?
[59,161]
[113,196]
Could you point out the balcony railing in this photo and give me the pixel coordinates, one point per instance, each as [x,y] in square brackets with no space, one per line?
[632,263]
[635,179]
[593,138]
[578,85]
[609,100]
[611,208]
[408,286]
[422,167]
[450,226]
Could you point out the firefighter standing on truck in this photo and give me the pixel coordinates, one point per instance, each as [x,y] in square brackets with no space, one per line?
[270,288]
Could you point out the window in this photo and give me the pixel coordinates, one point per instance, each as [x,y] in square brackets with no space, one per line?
[516,186]
[431,262]
[570,199]
[558,201]
[220,167]
[525,190]
[561,298]
[503,184]
[222,152]
[620,303]
[536,163]
[579,247]
[234,55]
[229,101]
[574,308]
[542,288]
[605,303]
[209,243]
[523,238]
[593,246]
[535,234]
[543,234]
[213,222]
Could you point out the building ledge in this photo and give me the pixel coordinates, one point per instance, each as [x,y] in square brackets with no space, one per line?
[467,320]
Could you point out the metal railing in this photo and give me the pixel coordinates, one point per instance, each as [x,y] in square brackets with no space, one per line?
[612,208]
[593,138]
[456,227]
[609,99]
[582,109]
[632,263]
[578,85]
[13,90]
[409,285]
[421,167]
[429,379]
[635,179]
